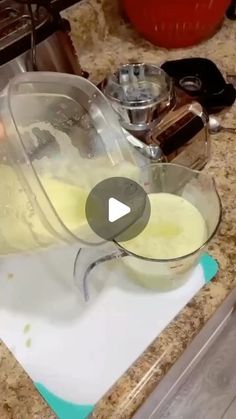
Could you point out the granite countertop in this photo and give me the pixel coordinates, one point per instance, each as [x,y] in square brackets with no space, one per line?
[103,41]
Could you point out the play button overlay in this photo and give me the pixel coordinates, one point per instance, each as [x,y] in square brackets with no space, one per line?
[117,208]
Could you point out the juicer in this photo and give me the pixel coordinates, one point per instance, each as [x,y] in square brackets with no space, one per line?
[165,107]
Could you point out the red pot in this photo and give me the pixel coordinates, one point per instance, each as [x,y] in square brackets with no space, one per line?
[176,23]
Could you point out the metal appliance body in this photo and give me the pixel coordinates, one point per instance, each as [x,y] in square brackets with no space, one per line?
[170,126]
[55,53]
[54,48]
[183,136]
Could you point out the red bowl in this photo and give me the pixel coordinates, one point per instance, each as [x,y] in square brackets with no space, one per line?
[176,23]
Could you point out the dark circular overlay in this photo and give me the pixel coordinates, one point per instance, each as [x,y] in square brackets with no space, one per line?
[127,192]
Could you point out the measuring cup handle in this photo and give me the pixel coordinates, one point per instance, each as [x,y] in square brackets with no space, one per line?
[88,258]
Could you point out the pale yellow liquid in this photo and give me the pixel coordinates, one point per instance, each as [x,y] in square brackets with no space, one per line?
[68,201]
[176,228]
[18,222]
[21,228]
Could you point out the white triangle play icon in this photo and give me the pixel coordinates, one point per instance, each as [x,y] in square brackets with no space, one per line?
[116,209]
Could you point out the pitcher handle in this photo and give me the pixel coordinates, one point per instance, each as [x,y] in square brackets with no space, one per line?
[88,258]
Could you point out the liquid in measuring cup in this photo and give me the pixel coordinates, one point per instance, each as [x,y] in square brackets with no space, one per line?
[176,228]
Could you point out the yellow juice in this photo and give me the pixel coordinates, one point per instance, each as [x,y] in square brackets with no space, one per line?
[176,228]
[21,228]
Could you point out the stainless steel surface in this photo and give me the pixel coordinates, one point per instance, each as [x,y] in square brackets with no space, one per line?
[54,53]
[215,126]
[191,83]
[171,127]
[15,21]
[152,152]
[140,94]
[210,391]
[182,135]
[204,354]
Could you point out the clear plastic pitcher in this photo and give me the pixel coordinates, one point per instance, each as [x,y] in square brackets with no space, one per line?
[140,264]
[58,138]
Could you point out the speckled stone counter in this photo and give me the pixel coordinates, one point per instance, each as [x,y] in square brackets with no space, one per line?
[102,41]
[18,396]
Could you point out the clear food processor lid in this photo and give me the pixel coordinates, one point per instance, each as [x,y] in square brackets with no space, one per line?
[62,138]
[138,84]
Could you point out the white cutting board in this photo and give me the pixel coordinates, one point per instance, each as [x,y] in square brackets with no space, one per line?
[73,351]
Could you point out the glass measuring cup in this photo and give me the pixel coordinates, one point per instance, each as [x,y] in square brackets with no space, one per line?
[197,188]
